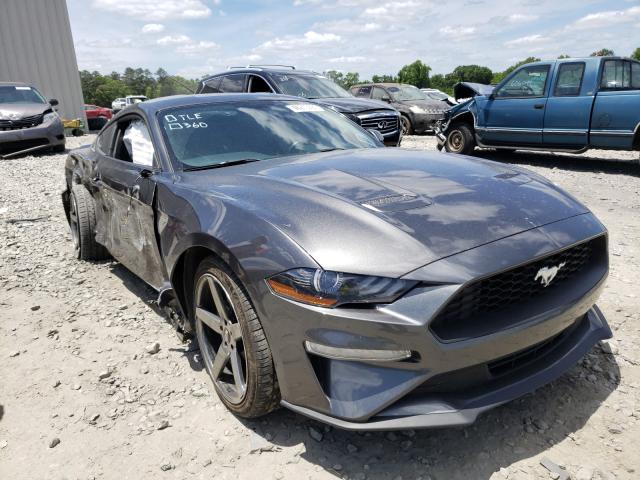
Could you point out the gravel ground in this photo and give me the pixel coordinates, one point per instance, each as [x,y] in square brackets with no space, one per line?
[86,393]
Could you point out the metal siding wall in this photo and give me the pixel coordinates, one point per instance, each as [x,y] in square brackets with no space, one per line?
[36,47]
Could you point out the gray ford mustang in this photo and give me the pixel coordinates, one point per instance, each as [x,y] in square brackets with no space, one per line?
[365,287]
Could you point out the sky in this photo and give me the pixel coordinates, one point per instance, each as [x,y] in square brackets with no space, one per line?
[199,37]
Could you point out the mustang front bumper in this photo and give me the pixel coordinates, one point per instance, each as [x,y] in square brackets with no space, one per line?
[450,376]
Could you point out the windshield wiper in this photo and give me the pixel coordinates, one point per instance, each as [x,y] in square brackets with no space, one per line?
[331,149]
[220,165]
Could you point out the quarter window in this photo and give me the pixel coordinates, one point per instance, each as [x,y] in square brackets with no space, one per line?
[616,75]
[569,79]
[232,84]
[635,75]
[362,91]
[212,86]
[527,82]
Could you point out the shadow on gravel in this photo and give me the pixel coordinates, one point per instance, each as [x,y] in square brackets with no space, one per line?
[518,430]
[565,161]
[146,294]
[1,412]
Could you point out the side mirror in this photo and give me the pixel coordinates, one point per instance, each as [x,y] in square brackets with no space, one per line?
[376,134]
[386,98]
[492,96]
[53,102]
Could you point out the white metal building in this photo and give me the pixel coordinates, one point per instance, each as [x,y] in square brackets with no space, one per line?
[36,47]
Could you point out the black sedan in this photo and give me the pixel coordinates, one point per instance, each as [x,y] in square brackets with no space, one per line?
[365,287]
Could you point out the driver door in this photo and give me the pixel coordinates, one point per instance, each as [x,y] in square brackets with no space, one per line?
[514,114]
[124,177]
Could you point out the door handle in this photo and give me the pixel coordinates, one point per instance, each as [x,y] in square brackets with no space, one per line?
[135,191]
[539,106]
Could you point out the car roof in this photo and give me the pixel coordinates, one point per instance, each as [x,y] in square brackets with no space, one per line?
[383,84]
[278,70]
[152,106]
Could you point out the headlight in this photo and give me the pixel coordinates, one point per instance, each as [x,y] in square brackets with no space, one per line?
[331,289]
[50,117]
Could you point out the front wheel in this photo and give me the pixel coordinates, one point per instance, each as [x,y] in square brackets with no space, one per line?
[460,139]
[407,128]
[232,342]
[82,221]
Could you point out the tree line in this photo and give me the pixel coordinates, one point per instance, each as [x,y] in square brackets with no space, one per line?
[419,74]
[101,89]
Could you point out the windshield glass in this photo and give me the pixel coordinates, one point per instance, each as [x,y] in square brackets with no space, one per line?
[309,86]
[437,95]
[218,133]
[406,92]
[12,94]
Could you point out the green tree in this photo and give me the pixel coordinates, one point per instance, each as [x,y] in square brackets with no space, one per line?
[603,52]
[110,90]
[564,55]
[416,73]
[438,81]
[384,79]
[345,80]
[469,73]
[636,54]
[499,76]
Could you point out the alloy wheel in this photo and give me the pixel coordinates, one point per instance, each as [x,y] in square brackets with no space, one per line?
[220,338]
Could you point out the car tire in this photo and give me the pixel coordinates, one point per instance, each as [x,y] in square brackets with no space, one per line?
[82,220]
[460,139]
[407,127]
[233,345]
[59,148]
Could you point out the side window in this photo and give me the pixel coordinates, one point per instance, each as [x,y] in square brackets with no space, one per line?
[569,79]
[527,82]
[616,75]
[635,75]
[379,93]
[362,91]
[258,85]
[232,84]
[105,139]
[212,86]
[134,143]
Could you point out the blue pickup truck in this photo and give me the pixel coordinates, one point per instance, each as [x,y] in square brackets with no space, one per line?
[566,105]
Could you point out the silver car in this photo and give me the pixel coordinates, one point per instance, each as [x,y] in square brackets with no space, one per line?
[27,121]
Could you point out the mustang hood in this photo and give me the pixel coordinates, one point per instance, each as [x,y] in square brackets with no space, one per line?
[353,104]
[386,211]
[17,111]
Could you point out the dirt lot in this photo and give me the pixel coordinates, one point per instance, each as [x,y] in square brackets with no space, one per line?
[83,395]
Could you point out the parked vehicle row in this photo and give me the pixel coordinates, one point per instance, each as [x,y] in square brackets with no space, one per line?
[120,103]
[28,122]
[566,105]
[369,288]
[419,112]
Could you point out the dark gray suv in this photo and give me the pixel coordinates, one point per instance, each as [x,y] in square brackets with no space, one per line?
[369,114]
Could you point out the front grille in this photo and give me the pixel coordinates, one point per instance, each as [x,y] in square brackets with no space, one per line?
[19,145]
[26,122]
[473,306]
[384,124]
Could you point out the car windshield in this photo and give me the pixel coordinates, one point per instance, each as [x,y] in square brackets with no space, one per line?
[309,86]
[18,94]
[210,135]
[406,92]
[437,95]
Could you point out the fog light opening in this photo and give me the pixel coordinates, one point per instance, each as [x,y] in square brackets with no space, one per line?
[357,354]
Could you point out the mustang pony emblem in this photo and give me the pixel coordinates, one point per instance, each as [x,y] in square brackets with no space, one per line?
[547,274]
